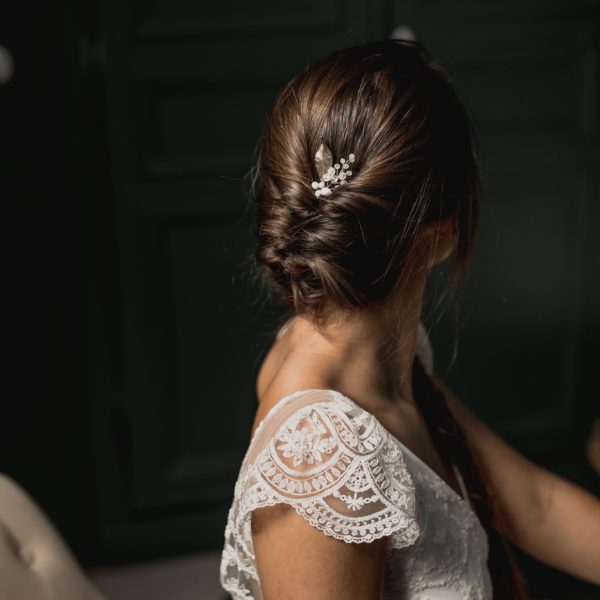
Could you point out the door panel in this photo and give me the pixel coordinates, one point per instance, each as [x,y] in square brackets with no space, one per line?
[188,86]
[527,73]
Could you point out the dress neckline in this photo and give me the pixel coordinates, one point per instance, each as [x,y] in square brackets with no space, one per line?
[285,399]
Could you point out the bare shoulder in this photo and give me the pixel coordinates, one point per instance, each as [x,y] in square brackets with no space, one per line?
[278,377]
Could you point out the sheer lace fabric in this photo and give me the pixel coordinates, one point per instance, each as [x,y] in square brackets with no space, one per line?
[341,470]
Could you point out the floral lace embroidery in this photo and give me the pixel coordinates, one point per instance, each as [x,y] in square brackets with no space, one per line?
[334,453]
[307,444]
[335,465]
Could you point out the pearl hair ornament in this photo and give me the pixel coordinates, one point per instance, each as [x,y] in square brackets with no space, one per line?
[332,175]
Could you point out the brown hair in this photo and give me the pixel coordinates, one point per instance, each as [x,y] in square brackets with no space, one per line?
[396,110]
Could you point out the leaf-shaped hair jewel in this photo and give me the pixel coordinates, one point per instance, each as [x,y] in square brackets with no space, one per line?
[332,175]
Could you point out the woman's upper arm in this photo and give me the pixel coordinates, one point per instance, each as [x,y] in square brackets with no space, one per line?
[297,562]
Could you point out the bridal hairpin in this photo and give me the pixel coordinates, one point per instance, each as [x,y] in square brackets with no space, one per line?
[332,175]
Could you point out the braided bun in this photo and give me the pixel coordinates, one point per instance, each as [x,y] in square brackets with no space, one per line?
[396,111]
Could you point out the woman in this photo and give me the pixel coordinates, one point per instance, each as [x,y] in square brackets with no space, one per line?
[365,478]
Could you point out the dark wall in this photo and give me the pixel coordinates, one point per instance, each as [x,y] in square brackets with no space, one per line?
[44,436]
[134,331]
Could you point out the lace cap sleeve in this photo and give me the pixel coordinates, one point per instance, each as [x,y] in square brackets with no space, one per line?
[336,465]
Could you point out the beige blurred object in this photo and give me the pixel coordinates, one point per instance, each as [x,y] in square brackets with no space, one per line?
[35,562]
[189,577]
[593,446]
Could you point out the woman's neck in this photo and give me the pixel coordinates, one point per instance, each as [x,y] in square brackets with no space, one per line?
[372,351]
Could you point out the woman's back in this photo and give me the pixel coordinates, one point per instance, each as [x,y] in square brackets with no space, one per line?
[319,464]
[284,371]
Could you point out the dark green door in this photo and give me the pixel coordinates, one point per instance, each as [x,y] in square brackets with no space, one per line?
[186,87]
[176,331]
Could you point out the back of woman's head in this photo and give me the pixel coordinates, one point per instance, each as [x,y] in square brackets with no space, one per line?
[396,111]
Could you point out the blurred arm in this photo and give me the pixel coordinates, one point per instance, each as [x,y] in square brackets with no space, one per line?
[552,519]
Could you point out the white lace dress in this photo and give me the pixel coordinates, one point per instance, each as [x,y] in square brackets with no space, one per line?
[336,464]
